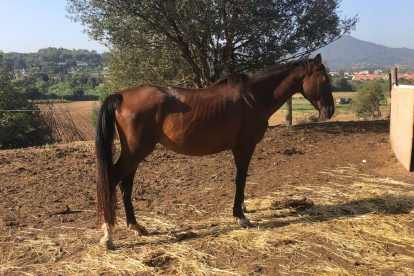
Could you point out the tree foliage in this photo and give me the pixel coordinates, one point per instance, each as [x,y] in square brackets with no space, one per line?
[211,38]
[367,100]
[129,68]
[18,129]
[49,59]
[341,84]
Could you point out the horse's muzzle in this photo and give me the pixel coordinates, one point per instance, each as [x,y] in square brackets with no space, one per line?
[327,113]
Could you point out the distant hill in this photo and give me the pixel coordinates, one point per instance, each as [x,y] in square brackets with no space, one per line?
[351,53]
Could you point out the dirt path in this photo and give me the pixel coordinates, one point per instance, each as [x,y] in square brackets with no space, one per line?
[319,207]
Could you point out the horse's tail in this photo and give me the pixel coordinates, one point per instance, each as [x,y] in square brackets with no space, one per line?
[105,131]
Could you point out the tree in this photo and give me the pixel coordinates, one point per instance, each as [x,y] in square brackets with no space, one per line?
[405,81]
[130,68]
[18,129]
[214,38]
[77,92]
[368,98]
[19,64]
[39,77]
[92,82]
[341,84]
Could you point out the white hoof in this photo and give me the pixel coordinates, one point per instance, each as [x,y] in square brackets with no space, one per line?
[106,243]
[245,222]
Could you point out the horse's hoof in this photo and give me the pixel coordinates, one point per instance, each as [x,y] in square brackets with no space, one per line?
[107,244]
[142,231]
[245,223]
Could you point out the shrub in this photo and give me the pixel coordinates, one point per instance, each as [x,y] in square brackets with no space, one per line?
[78,92]
[308,119]
[93,116]
[368,98]
[23,128]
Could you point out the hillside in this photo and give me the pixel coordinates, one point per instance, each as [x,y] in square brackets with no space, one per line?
[349,52]
[55,60]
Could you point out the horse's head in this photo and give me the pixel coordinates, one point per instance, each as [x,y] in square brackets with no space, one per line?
[316,88]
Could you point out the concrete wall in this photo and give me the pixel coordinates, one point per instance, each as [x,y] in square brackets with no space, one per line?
[402,124]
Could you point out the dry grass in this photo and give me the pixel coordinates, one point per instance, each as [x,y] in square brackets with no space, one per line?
[362,229]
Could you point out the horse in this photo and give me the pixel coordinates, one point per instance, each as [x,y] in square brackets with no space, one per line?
[231,114]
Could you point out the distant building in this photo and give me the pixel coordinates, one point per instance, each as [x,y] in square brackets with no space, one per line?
[21,72]
[406,75]
[81,64]
[365,77]
[343,101]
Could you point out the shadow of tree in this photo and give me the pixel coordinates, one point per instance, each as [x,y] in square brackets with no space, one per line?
[382,205]
[364,127]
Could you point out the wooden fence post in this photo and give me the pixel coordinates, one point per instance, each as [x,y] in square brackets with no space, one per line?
[394,77]
[289,112]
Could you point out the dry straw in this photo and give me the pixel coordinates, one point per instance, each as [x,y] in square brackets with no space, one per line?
[361,229]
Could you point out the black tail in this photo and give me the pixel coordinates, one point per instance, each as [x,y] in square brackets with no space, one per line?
[105,131]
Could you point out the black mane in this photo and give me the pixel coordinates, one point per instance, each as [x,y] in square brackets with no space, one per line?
[233,80]
[287,65]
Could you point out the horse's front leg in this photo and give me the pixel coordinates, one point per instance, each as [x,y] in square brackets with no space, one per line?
[126,191]
[242,156]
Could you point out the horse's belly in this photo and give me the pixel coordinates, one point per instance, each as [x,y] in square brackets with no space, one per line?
[200,139]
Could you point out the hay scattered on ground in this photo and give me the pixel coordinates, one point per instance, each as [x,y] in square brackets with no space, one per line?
[365,228]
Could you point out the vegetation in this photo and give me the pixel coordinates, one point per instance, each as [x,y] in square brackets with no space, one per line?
[18,129]
[404,81]
[194,43]
[368,99]
[53,73]
[341,84]
[56,60]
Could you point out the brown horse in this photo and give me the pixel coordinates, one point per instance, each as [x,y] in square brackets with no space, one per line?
[231,114]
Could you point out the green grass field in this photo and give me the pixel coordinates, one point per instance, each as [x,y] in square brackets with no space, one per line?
[300,104]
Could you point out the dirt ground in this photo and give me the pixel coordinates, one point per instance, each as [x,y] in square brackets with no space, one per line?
[70,122]
[327,199]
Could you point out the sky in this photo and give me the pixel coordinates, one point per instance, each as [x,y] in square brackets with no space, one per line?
[29,25]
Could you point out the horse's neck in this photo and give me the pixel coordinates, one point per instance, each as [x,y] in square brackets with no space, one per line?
[275,88]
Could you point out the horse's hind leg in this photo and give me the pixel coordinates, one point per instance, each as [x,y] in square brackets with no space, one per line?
[124,169]
[126,190]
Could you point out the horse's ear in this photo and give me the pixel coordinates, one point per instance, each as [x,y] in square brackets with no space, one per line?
[318,60]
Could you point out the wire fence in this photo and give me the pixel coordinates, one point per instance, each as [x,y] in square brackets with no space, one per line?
[38,110]
[69,122]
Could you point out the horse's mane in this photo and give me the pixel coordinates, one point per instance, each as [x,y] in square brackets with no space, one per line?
[287,65]
[233,80]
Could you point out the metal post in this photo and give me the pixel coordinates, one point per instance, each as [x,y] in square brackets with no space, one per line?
[289,112]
